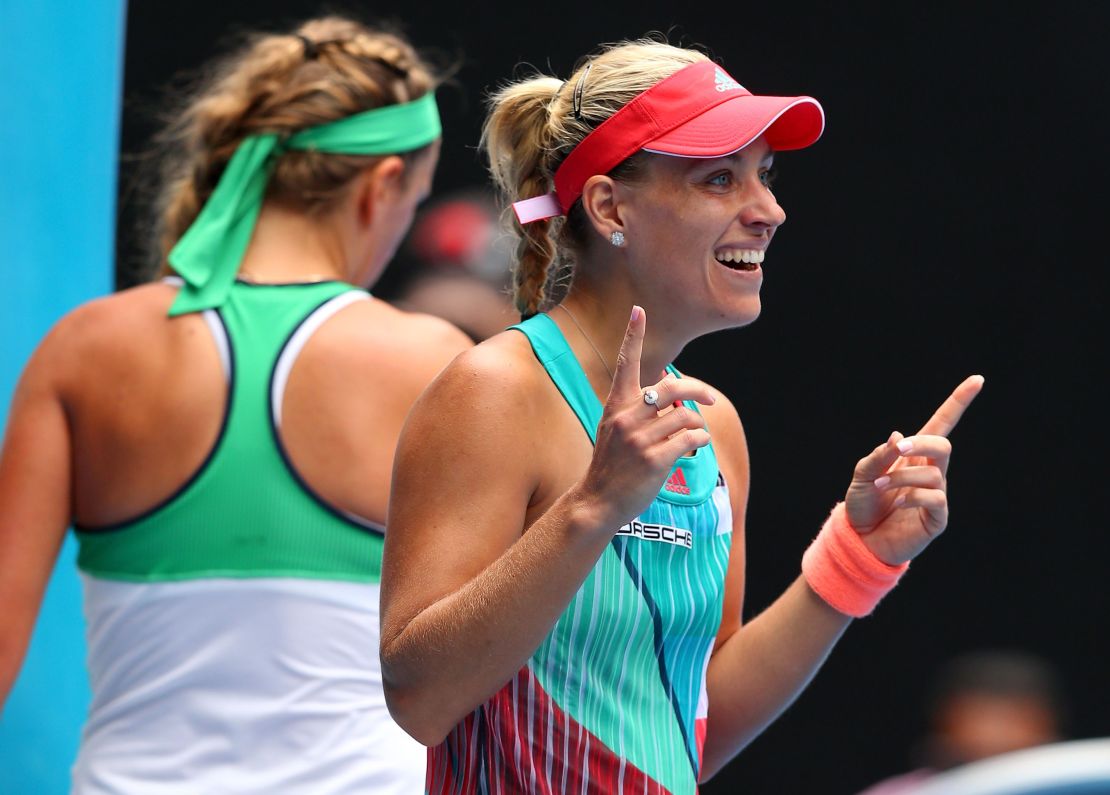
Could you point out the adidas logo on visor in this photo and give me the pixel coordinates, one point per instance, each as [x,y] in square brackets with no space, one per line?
[726,83]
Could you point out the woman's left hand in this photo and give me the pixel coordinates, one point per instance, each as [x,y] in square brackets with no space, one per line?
[898,499]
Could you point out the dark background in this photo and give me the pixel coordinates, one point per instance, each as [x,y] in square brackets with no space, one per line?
[946,224]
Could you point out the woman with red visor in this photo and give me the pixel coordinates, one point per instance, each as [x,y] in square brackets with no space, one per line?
[564,572]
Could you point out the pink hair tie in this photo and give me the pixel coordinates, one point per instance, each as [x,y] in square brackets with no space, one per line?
[844,572]
[537,208]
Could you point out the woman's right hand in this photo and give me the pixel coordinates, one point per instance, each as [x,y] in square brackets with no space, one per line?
[637,446]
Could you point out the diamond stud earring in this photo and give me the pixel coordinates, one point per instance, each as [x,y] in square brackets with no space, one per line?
[617,239]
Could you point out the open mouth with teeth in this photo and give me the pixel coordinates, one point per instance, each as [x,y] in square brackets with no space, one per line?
[740,259]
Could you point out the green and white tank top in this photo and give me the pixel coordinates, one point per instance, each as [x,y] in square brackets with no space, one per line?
[614,699]
[233,629]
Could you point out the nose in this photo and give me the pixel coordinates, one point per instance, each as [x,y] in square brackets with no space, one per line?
[762,212]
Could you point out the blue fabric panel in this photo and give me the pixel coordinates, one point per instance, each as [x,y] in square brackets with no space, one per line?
[62,65]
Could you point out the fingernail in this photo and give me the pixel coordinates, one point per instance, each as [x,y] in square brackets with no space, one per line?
[883,482]
[899,501]
[636,312]
[905,446]
[893,435]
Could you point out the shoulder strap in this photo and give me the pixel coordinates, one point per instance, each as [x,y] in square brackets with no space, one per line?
[699,473]
[297,340]
[553,352]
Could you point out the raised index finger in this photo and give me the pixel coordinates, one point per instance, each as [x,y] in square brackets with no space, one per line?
[626,378]
[945,418]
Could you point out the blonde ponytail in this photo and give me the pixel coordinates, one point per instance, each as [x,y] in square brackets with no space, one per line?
[516,135]
[533,124]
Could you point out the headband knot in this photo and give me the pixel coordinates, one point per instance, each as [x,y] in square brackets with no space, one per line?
[208,255]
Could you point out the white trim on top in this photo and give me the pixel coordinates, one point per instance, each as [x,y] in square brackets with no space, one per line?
[309,326]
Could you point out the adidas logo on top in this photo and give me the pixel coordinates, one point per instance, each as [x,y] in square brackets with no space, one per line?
[726,83]
[677,483]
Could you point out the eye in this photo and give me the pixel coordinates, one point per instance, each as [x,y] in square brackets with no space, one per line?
[722,180]
[768,176]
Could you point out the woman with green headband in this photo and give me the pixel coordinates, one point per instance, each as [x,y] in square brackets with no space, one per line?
[222,440]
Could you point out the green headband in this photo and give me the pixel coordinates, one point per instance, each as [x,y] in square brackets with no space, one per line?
[208,255]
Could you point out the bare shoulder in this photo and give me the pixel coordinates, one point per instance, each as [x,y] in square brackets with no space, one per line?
[483,414]
[722,417]
[419,332]
[499,373]
[727,431]
[102,320]
[490,397]
[115,330]
[374,337]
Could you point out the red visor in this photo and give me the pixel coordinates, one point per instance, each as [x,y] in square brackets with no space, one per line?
[699,111]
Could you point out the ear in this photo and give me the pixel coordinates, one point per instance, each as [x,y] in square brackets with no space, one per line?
[601,200]
[378,184]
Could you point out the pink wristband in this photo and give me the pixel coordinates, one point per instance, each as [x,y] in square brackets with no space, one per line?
[841,569]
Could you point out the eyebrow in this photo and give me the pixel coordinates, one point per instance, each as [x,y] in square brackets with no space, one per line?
[734,158]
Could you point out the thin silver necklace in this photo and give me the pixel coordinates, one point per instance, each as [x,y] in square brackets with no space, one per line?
[588,340]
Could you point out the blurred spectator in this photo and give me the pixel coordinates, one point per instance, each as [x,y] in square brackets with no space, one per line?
[461,264]
[983,704]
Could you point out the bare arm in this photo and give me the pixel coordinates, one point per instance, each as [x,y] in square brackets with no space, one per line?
[467,592]
[759,669]
[447,649]
[34,505]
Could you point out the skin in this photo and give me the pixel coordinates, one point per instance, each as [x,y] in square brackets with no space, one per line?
[479,568]
[120,404]
[973,726]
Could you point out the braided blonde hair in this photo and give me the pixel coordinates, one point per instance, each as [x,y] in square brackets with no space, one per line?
[326,70]
[530,129]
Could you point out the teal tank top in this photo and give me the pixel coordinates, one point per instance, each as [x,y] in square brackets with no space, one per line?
[246,512]
[614,699]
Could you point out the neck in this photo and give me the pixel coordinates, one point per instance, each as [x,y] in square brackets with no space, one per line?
[604,320]
[290,246]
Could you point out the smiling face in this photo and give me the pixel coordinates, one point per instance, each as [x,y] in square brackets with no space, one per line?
[697,232]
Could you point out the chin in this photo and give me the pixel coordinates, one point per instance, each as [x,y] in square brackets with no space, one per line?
[741,314]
